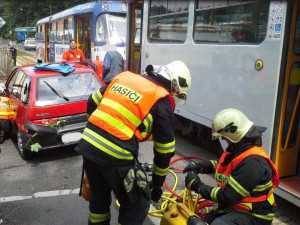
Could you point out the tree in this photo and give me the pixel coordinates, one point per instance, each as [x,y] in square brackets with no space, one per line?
[31,12]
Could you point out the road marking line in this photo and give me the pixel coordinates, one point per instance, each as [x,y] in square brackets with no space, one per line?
[40,195]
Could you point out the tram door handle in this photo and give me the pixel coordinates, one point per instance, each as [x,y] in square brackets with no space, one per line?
[147,54]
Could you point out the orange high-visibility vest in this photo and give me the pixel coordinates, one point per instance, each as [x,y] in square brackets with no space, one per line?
[226,171]
[7,107]
[126,102]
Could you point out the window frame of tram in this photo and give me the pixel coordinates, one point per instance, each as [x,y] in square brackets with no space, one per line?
[294,85]
[230,21]
[168,21]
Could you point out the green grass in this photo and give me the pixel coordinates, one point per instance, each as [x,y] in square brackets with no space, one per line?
[24,53]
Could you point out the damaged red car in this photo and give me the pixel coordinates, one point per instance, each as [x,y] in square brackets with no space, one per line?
[50,106]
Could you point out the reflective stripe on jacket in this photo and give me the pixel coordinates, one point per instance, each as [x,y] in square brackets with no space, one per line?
[126,102]
[223,177]
[7,107]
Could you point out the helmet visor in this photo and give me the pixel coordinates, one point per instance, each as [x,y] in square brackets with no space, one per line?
[214,134]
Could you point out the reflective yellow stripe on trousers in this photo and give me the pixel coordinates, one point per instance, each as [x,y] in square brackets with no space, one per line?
[98,218]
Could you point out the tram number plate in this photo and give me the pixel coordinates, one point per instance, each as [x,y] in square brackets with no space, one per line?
[71,137]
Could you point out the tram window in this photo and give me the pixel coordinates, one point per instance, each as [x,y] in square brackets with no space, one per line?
[137,27]
[116,28]
[42,34]
[291,105]
[297,35]
[60,31]
[37,34]
[80,30]
[66,31]
[100,34]
[52,31]
[70,28]
[168,21]
[230,21]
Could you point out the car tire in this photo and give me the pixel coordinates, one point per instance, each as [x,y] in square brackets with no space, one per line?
[23,152]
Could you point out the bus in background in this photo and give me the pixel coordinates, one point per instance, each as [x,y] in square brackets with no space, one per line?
[97,27]
[241,54]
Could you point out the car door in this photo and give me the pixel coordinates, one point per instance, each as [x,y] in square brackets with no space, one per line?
[18,87]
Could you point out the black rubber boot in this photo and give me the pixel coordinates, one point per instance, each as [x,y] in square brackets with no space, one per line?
[194,220]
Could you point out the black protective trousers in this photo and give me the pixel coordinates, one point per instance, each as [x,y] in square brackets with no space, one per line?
[233,217]
[105,180]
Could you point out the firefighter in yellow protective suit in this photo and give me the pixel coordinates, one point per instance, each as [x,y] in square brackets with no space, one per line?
[7,112]
[245,174]
[133,108]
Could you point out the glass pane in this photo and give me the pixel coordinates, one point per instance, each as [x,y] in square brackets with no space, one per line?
[100,35]
[297,35]
[158,7]
[168,21]
[136,61]
[293,89]
[116,28]
[137,24]
[71,30]
[75,87]
[231,21]
[80,31]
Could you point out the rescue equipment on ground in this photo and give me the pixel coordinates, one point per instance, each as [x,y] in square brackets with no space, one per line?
[188,207]
[180,214]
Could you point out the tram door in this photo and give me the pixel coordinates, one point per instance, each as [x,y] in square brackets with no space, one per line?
[47,46]
[83,35]
[135,37]
[287,152]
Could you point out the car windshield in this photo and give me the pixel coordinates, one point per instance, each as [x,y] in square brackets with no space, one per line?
[32,42]
[53,90]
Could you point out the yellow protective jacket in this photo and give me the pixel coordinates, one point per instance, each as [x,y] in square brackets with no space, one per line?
[7,107]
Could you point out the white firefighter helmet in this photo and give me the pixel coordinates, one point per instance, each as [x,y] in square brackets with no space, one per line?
[179,75]
[231,124]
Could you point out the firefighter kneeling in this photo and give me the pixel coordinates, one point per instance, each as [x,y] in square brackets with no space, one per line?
[245,174]
[7,107]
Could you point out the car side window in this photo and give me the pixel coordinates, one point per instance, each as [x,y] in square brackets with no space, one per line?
[11,82]
[25,91]
[15,84]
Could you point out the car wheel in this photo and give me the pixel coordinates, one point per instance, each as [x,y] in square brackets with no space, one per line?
[23,152]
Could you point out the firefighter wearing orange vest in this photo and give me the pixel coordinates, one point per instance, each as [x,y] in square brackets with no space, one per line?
[245,174]
[132,108]
[7,112]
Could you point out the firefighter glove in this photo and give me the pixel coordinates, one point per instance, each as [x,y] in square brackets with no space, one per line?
[193,182]
[129,184]
[142,183]
[129,180]
[192,166]
[200,167]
